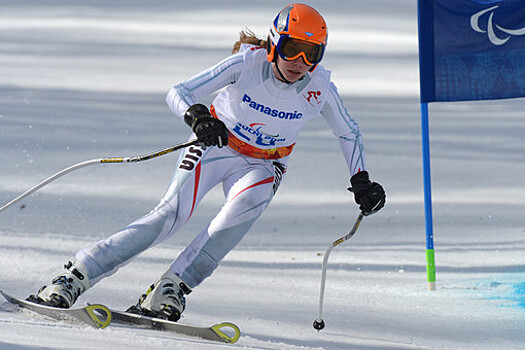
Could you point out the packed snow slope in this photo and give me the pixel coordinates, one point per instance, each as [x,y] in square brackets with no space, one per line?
[87,79]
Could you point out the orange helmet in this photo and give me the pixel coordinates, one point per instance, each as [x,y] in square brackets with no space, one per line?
[298,30]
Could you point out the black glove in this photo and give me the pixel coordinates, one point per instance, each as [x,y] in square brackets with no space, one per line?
[369,195]
[210,131]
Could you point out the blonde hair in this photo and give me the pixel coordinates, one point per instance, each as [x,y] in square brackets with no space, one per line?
[248,37]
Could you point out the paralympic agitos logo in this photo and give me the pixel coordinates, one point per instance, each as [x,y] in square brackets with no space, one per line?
[255,129]
[496,33]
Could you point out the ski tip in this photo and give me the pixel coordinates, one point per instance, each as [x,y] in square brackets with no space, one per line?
[228,332]
[6,296]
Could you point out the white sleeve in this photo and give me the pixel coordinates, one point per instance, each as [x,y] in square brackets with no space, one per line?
[345,129]
[191,91]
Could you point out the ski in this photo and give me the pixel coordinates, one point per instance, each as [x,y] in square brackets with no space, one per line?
[99,316]
[95,315]
[225,332]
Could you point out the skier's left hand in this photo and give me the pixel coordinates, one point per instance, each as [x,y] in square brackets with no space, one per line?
[369,195]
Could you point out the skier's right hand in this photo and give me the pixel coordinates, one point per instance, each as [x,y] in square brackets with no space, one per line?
[210,131]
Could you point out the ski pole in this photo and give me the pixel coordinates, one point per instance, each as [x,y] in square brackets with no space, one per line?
[318,322]
[111,160]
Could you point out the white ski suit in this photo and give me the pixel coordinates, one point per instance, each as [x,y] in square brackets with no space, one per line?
[264,117]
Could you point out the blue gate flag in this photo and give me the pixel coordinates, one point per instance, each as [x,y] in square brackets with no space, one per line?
[471,49]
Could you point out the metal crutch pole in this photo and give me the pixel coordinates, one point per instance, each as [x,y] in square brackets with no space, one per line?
[112,160]
[318,322]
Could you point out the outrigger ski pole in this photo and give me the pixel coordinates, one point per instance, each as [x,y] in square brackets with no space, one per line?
[318,322]
[107,160]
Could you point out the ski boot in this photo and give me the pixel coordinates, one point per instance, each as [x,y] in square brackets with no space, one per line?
[65,289]
[164,299]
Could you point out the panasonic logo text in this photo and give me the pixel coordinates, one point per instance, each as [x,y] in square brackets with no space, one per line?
[269,111]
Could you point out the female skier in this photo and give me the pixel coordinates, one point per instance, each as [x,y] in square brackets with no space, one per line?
[245,139]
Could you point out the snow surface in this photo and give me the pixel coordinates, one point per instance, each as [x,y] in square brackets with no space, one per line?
[87,79]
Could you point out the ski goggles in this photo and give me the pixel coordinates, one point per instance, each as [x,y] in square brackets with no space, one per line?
[290,49]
